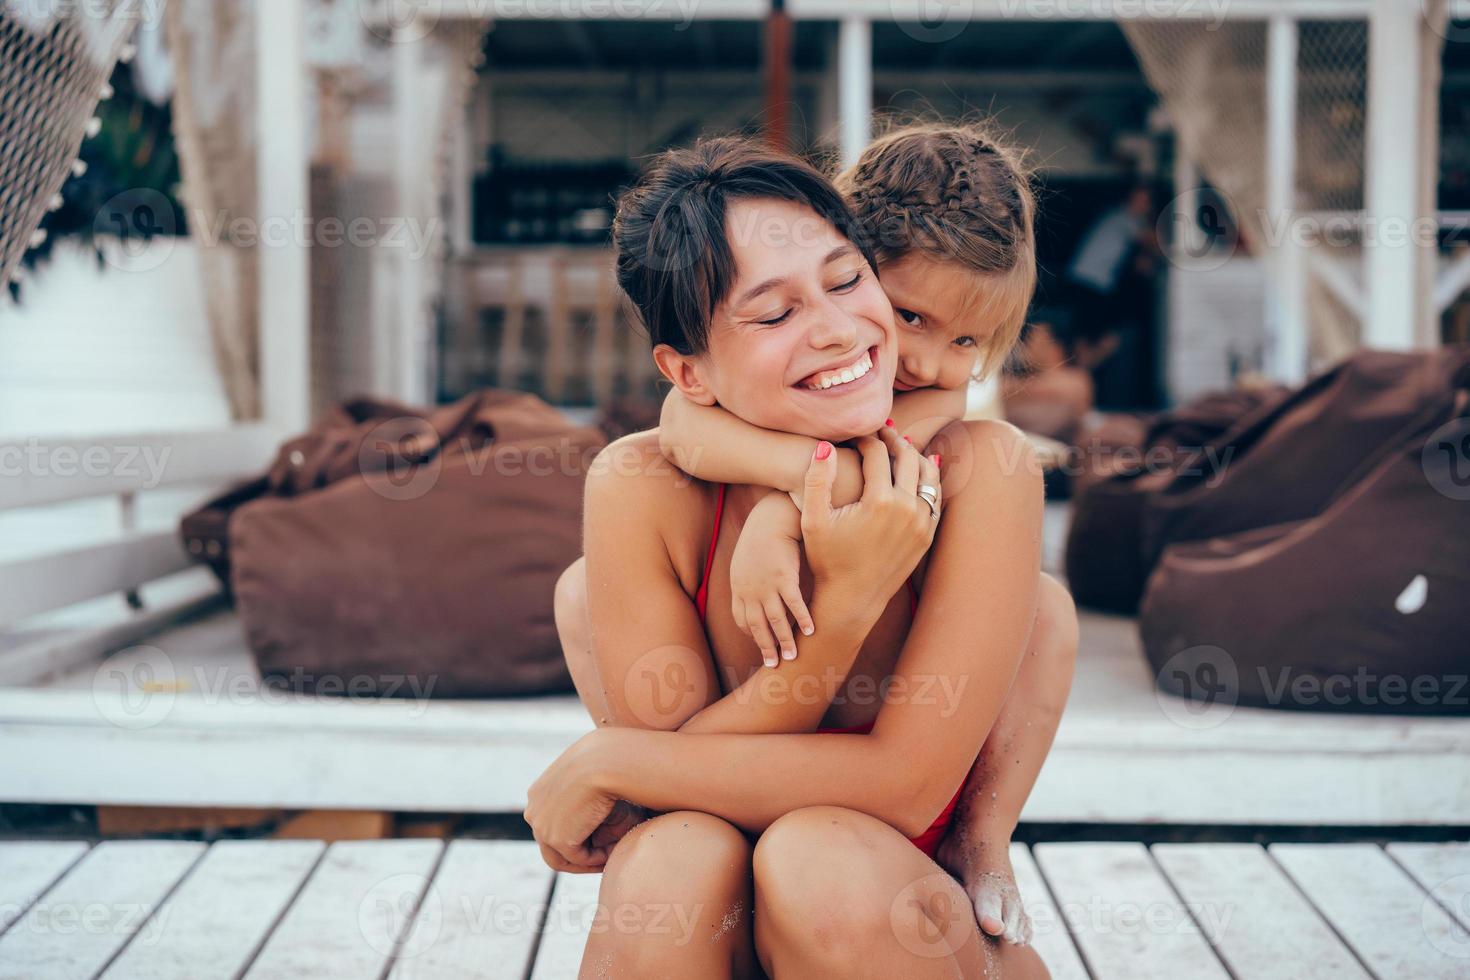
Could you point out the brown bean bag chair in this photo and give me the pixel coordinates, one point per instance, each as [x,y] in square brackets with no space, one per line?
[1285,462]
[1106,568]
[403,552]
[1359,608]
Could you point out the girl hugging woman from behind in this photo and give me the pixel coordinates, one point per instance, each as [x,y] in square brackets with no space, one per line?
[931,654]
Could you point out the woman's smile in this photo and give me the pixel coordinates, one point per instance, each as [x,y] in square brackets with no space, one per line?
[846,377]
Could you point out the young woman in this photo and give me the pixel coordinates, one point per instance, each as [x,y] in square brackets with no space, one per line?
[908,681]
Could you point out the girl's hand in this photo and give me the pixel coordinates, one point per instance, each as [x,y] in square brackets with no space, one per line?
[765,579]
[565,808]
[862,553]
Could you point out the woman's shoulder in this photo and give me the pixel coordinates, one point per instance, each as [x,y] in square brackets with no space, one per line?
[987,453]
[633,475]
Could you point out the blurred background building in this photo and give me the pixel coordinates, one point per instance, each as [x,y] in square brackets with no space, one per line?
[478,147]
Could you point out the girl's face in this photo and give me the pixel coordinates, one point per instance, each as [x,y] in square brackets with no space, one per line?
[941,326]
[805,341]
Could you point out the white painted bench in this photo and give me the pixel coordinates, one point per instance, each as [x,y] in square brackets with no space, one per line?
[164,706]
[424,910]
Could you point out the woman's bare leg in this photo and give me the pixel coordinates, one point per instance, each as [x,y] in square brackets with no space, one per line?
[675,902]
[977,847]
[841,894]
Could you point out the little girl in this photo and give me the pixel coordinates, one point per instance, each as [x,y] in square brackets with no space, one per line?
[949,212]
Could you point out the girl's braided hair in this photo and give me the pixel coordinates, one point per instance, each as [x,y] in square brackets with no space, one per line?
[956,193]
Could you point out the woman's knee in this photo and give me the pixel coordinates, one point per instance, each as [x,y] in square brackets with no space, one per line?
[802,877]
[1054,637]
[570,602]
[679,856]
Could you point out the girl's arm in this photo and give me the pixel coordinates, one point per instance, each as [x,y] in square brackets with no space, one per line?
[648,643]
[952,676]
[708,442]
[923,413]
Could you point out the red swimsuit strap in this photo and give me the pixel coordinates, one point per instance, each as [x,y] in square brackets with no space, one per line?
[701,598]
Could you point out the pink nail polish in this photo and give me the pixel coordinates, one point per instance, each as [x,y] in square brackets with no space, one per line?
[888,422]
[824,449]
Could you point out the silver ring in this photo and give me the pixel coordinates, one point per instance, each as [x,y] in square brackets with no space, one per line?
[930,496]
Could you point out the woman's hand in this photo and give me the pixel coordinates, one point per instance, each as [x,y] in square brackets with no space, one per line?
[565,808]
[860,554]
[765,578]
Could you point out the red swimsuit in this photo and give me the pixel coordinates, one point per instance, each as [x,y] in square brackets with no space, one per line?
[928,841]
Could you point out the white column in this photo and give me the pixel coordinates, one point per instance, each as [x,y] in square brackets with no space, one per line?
[855,85]
[282,181]
[407,371]
[1393,196]
[1286,315]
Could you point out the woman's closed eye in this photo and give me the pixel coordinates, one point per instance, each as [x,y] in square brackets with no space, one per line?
[849,284]
[776,319]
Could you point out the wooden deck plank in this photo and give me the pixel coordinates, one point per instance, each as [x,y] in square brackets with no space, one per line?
[1258,922]
[347,920]
[1052,941]
[1394,927]
[1124,917]
[86,917]
[568,923]
[1443,870]
[482,915]
[28,868]
[215,921]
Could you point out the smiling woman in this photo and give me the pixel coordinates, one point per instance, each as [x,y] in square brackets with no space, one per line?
[758,301]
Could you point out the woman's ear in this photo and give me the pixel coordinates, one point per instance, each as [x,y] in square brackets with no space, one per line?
[686,372]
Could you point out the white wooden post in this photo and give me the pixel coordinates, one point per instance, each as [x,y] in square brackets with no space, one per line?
[1286,315]
[1393,193]
[282,181]
[408,331]
[855,85]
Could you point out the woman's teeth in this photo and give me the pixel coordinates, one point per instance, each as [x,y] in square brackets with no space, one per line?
[843,376]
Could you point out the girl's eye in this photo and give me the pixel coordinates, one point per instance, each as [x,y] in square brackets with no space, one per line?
[965,341]
[777,319]
[908,316]
[850,284]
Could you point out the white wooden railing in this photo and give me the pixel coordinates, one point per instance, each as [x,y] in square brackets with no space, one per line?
[46,472]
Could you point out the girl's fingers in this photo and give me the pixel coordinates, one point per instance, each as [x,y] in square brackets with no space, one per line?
[877,473]
[737,610]
[781,627]
[760,631]
[791,595]
[906,470]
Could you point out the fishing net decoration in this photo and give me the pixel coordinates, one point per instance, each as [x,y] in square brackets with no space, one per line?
[55,60]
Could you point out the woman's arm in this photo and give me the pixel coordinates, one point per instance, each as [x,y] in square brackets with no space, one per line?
[952,676]
[922,414]
[708,442]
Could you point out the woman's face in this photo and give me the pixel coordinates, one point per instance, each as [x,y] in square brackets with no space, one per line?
[805,341]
